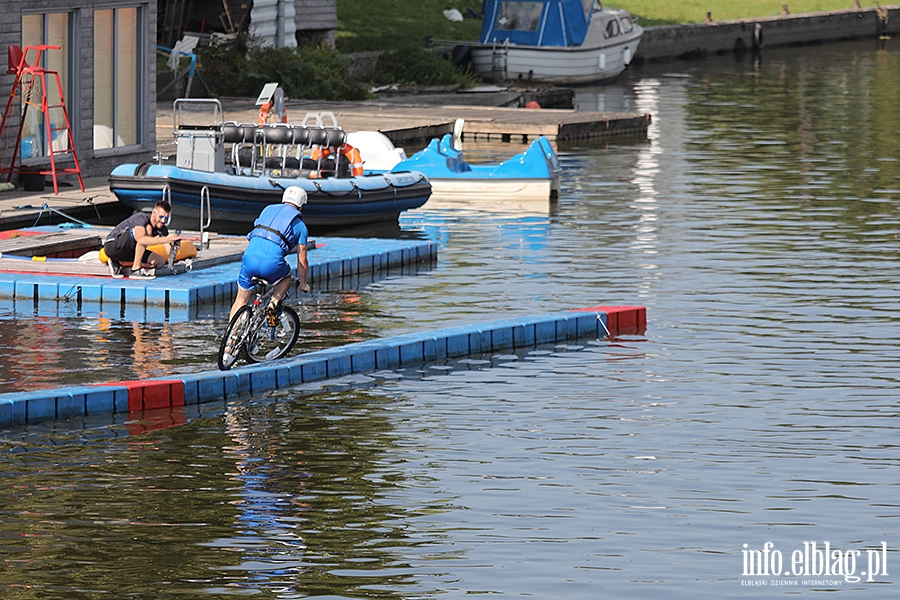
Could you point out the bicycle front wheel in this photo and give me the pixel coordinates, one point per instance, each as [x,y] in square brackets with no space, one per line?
[268,343]
[233,342]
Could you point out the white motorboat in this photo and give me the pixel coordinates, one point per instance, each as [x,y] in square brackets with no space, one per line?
[554,41]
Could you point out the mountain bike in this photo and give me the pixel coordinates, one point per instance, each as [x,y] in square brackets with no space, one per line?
[251,334]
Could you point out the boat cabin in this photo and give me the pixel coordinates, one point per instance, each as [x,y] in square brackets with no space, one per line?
[536,22]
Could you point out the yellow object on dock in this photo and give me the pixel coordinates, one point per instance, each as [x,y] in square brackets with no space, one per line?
[186,250]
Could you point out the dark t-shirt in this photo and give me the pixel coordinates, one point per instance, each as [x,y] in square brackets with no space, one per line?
[140,219]
[120,243]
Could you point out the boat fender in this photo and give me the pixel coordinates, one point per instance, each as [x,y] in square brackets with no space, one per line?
[758,41]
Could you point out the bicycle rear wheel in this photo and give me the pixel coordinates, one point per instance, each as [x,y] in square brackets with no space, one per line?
[233,342]
[268,343]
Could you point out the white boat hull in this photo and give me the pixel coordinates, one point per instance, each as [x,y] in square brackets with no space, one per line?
[514,198]
[599,58]
[491,191]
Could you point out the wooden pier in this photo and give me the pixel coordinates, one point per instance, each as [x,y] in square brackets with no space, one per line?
[406,124]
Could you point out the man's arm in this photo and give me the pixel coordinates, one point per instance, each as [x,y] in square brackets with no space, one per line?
[144,236]
[302,267]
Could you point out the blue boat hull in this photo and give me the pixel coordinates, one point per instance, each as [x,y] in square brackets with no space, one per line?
[236,200]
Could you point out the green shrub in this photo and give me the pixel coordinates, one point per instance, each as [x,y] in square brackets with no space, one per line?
[418,66]
[308,72]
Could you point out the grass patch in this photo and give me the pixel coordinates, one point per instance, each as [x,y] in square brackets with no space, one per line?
[367,25]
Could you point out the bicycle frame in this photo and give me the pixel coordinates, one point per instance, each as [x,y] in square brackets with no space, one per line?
[250,334]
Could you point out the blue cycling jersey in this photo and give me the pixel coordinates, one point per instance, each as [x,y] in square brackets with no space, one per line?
[265,255]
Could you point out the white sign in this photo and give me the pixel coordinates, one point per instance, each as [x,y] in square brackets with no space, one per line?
[266,94]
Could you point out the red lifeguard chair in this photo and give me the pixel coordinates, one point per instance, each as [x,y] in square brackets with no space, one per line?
[27,76]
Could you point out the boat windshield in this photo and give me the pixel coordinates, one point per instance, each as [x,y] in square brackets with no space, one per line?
[519,16]
[612,28]
[588,7]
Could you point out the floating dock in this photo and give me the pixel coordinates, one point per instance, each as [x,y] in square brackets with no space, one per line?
[61,278]
[405,124]
[171,394]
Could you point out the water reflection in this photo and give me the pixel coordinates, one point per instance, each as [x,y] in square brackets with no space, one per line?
[645,174]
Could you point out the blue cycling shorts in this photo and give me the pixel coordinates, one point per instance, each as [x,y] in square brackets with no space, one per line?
[262,259]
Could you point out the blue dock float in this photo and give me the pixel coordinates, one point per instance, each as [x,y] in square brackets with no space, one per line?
[174,297]
[22,408]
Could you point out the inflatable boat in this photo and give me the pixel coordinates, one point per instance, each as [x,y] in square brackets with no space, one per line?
[225,173]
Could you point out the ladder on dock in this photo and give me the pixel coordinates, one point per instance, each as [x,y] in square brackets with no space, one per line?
[54,140]
[499,61]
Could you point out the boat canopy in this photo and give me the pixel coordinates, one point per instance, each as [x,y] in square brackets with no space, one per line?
[536,22]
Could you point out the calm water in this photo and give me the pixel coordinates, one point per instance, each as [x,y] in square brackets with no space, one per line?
[758,223]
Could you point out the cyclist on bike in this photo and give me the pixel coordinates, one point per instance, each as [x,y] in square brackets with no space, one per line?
[277,230]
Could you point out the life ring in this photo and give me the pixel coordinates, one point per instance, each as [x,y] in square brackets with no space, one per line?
[349,152]
[264,113]
[267,109]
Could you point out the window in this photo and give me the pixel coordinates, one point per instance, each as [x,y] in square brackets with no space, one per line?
[612,29]
[519,16]
[51,29]
[627,26]
[117,77]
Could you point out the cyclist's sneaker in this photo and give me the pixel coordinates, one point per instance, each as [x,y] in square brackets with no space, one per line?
[143,274]
[115,269]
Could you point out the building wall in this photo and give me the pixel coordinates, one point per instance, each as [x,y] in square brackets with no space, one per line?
[264,22]
[79,107]
[316,15]
[304,19]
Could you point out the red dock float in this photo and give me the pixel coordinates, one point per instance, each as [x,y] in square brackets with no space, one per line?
[152,394]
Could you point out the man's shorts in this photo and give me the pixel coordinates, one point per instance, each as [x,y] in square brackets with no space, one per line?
[271,270]
[121,248]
